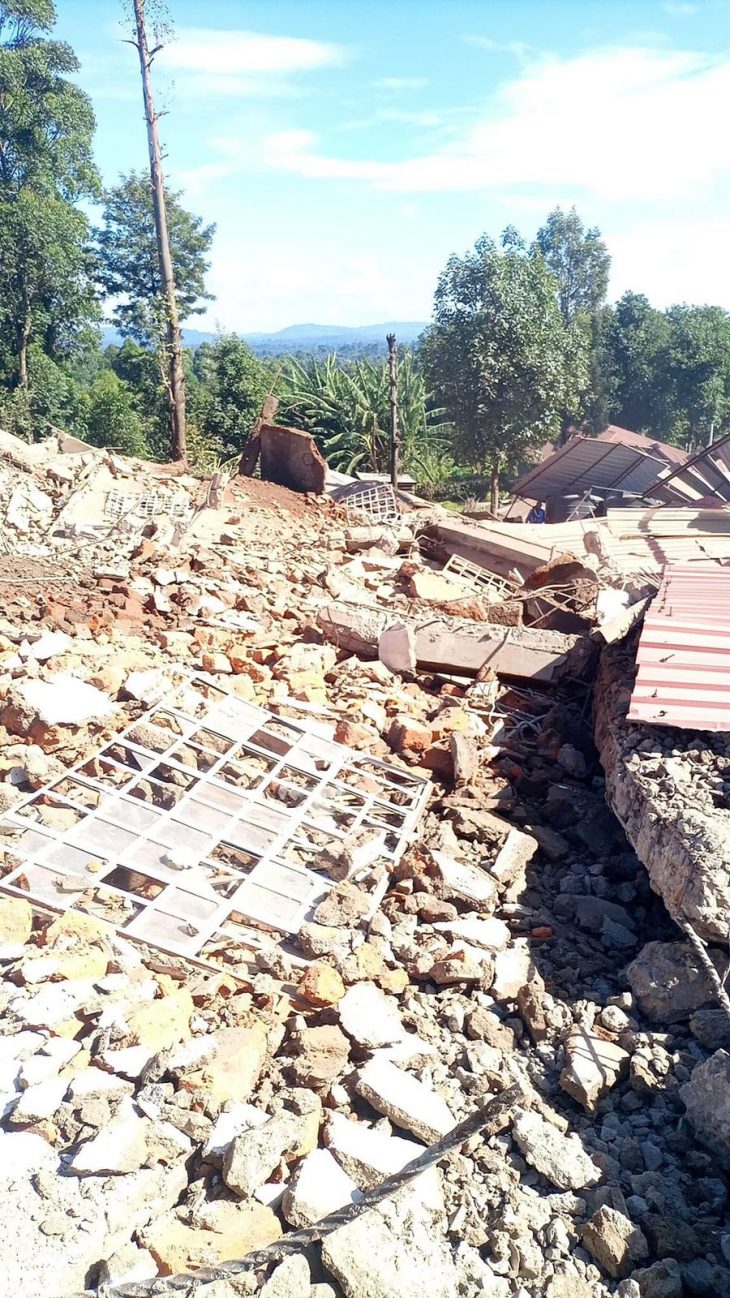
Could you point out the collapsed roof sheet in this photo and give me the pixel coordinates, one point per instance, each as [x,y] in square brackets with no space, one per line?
[706,475]
[649,539]
[683,658]
[587,462]
[205,814]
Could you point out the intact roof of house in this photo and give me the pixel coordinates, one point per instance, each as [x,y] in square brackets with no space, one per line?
[587,462]
[683,658]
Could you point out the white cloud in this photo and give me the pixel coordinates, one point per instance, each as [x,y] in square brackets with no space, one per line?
[244,63]
[400,83]
[613,124]
[205,49]
[518,48]
[328,284]
[672,259]
[412,118]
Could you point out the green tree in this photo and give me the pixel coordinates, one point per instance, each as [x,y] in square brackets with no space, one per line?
[113,420]
[46,166]
[232,386]
[696,374]
[496,354]
[638,345]
[579,262]
[129,267]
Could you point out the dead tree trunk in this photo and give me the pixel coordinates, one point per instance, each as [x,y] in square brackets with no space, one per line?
[494,492]
[23,353]
[394,434]
[176,374]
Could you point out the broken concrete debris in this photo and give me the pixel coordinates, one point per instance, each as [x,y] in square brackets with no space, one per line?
[461,648]
[278,909]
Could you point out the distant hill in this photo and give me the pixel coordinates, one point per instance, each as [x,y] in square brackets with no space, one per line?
[110,337]
[333,338]
[311,339]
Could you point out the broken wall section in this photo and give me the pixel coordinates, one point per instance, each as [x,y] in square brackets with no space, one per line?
[667,790]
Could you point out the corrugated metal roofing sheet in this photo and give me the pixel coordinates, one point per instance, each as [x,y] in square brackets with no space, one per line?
[708,475]
[664,450]
[586,462]
[636,540]
[650,539]
[683,659]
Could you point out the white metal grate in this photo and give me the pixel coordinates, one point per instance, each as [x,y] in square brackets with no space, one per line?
[202,816]
[146,504]
[480,579]
[378,502]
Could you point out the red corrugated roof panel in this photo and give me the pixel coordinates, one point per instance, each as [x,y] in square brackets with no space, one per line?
[683,659]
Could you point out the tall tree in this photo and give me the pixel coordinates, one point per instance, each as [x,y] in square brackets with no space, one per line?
[697,374]
[637,342]
[496,354]
[579,262]
[232,387]
[176,373]
[129,266]
[46,166]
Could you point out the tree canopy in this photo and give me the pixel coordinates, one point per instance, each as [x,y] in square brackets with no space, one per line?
[496,354]
[46,166]
[577,259]
[129,268]
[232,386]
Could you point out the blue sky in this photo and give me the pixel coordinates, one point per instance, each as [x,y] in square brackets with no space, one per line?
[345,148]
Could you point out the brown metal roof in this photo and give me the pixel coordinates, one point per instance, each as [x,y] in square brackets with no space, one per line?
[587,462]
[665,451]
[683,659]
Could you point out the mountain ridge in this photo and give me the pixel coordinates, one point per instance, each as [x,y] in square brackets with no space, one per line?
[303,337]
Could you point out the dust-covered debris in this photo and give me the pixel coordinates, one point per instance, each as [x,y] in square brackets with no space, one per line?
[174,1098]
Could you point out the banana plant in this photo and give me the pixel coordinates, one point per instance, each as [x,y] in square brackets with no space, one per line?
[346,407]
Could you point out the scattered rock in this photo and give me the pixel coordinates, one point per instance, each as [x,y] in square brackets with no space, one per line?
[706,1097]
[367,1154]
[615,1242]
[322,1055]
[232,1065]
[669,982]
[390,1250]
[410,1104]
[593,1066]
[661,1280]
[321,985]
[254,1155]
[369,1017]
[235,1231]
[16,921]
[343,907]
[562,1160]
[319,1186]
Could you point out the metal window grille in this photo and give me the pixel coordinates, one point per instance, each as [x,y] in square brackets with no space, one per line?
[480,579]
[202,821]
[144,504]
[378,502]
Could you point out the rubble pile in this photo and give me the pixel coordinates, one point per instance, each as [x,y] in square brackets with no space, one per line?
[167,1111]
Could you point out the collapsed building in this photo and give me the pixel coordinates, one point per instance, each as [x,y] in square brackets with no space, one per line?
[333,823]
